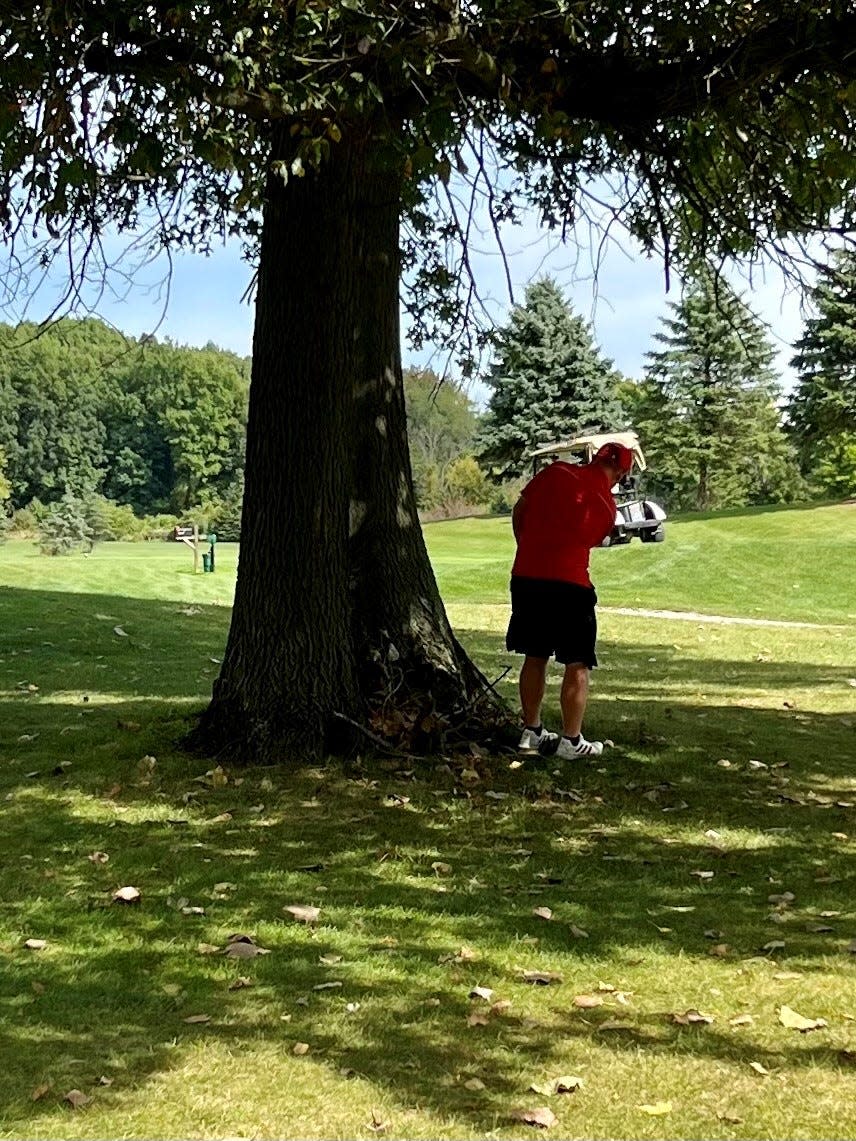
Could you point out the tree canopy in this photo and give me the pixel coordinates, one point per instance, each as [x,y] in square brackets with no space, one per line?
[716,128]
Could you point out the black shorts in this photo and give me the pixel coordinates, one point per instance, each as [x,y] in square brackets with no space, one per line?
[550,617]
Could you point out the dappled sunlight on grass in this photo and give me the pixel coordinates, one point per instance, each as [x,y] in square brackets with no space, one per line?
[656,865]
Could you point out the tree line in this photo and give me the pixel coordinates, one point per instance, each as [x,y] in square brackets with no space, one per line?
[87,412]
[148,429]
[717,426]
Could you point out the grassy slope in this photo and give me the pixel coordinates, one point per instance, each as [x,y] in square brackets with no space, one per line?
[615,859]
[776,564]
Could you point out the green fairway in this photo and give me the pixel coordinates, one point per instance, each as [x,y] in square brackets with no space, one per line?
[707,865]
[796,564]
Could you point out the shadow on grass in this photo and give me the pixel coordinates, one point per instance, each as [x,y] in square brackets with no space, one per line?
[612,851]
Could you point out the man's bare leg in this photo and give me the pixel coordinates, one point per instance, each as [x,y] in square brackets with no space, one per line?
[575,686]
[533,682]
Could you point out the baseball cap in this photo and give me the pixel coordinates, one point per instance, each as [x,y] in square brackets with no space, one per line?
[617,455]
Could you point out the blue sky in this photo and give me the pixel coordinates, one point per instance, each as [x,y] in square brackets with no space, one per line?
[624,301]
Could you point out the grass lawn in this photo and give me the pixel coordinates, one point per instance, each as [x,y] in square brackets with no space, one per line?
[657,868]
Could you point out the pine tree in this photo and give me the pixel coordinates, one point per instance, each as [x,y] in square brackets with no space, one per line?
[65,527]
[707,415]
[822,410]
[549,381]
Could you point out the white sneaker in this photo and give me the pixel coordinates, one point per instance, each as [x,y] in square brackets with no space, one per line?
[583,748]
[532,742]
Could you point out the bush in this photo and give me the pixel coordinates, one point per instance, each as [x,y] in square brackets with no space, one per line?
[466,482]
[505,496]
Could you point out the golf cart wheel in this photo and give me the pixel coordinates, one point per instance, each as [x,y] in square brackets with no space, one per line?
[655,535]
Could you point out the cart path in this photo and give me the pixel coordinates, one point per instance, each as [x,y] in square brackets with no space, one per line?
[717,619]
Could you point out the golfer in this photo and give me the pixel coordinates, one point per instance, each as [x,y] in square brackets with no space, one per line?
[564,511]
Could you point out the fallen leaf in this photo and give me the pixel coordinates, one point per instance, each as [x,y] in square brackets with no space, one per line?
[223,818]
[377,1124]
[477,1019]
[35,944]
[330,960]
[76,1098]
[541,978]
[40,1091]
[481,992]
[702,876]
[759,1069]
[240,949]
[474,1084]
[192,909]
[783,975]
[729,1118]
[441,869]
[819,928]
[785,897]
[542,1117]
[692,1018]
[587,1001]
[98,857]
[126,895]
[565,1084]
[241,982]
[657,1108]
[218,777]
[741,1020]
[303,914]
[352,1007]
[774,945]
[207,949]
[577,932]
[501,1006]
[333,985]
[197,1018]
[542,912]
[300,1048]
[119,632]
[794,1021]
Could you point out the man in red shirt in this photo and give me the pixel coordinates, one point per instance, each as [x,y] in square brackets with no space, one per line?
[562,513]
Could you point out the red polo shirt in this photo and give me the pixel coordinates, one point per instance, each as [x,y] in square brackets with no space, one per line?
[564,511]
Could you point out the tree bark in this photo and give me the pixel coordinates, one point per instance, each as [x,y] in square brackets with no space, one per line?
[337,620]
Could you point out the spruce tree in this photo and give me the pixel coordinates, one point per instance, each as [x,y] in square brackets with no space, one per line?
[707,415]
[822,410]
[549,381]
[66,528]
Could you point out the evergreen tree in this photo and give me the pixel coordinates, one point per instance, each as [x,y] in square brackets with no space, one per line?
[66,527]
[549,381]
[822,410]
[707,410]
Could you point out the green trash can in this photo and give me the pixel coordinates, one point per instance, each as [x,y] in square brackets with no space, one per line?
[206,562]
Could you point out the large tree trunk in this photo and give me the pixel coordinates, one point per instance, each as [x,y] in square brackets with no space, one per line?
[337,621]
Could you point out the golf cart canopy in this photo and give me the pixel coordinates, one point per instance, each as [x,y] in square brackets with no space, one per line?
[583,448]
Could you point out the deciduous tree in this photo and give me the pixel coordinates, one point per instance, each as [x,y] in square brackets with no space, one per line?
[313,127]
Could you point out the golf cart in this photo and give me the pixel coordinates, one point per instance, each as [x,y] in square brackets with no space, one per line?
[634,514]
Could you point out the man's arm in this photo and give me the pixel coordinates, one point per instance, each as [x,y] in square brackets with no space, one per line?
[517,517]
